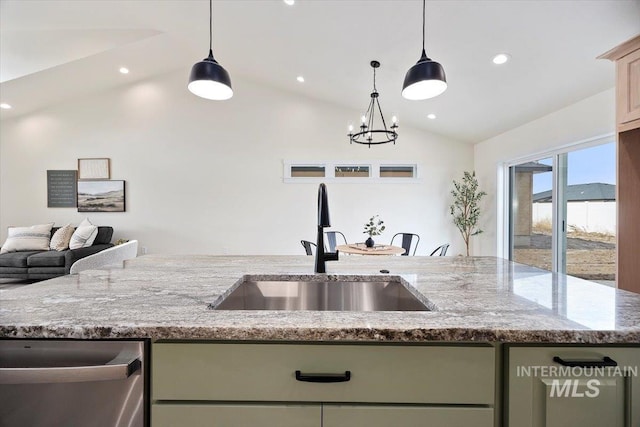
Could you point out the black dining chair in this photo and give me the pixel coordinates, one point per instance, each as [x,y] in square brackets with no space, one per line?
[331,241]
[442,249]
[407,242]
[308,246]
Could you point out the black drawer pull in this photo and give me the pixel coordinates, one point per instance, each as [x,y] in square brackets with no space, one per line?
[606,361]
[323,378]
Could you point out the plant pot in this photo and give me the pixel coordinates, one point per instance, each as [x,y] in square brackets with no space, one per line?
[369,242]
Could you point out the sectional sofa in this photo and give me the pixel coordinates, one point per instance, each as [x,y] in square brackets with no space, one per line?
[40,265]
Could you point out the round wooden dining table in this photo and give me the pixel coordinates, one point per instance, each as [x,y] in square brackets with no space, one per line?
[362,249]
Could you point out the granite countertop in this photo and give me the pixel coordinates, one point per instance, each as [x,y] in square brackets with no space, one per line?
[476,299]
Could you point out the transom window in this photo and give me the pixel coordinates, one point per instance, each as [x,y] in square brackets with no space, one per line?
[307,171]
[363,172]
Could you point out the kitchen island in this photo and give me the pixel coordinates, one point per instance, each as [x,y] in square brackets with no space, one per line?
[474,299]
[457,364]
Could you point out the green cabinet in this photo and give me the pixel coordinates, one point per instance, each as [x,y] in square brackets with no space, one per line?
[264,384]
[558,386]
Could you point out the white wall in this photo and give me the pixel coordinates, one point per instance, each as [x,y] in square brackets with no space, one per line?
[595,217]
[206,177]
[589,118]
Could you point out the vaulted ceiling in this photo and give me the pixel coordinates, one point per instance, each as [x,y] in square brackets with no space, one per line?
[54,51]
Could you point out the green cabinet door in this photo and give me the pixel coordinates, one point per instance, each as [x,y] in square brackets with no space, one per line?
[234,415]
[405,416]
[545,392]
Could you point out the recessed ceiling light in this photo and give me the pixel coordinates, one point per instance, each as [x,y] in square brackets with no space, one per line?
[124,70]
[290,2]
[300,79]
[501,58]
[431,116]
[5,106]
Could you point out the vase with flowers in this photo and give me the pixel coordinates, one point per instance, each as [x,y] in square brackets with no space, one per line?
[374,227]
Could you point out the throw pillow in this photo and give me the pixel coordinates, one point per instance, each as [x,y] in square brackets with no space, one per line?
[61,238]
[84,235]
[34,238]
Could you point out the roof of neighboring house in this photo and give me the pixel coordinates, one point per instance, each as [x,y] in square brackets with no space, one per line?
[594,191]
[534,167]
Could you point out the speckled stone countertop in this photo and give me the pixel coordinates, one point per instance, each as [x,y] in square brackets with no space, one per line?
[475,299]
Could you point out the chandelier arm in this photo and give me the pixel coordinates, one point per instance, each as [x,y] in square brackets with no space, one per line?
[381,116]
[369,122]
[373,113]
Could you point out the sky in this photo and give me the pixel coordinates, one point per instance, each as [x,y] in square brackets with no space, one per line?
[98,187]
[594,164]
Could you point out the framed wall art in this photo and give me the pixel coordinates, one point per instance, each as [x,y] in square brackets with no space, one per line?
[101,196]
[93,169]
[61,188]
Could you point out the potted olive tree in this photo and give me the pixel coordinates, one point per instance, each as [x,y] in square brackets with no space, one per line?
[465,209]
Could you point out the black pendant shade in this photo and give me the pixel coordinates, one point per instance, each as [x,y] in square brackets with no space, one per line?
[208,79]
[426,79]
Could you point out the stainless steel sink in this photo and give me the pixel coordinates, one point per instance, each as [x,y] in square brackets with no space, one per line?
[319,293]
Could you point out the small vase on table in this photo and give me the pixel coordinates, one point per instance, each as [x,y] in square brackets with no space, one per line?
[369,242]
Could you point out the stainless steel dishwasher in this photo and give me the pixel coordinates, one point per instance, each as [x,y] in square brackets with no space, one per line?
[83,383]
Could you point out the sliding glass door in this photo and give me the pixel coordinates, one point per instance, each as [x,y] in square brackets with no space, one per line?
[562,214]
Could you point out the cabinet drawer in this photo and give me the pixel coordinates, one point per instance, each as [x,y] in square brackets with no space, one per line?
[210,415]
[385,416]
[542,392]
[378,373]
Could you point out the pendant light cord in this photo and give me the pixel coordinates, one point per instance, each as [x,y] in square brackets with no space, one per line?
[211,25]
[424,14]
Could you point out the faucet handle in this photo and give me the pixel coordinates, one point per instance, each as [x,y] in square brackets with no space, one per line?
[332,256]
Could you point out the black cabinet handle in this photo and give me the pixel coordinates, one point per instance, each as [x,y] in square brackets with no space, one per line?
[323,378]
[606,361]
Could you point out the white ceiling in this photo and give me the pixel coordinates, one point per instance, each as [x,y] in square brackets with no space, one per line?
[51,51]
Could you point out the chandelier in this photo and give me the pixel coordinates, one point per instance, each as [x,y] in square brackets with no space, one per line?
[368,134]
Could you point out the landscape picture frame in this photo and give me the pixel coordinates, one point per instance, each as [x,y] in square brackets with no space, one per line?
[94,168]
[101,196]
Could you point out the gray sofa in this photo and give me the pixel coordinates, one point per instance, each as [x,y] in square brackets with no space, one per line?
[40,265]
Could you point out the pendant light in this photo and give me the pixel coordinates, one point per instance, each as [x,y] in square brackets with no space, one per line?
[209,79]
[426,79]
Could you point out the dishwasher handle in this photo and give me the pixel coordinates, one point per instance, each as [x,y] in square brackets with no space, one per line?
[119,368]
